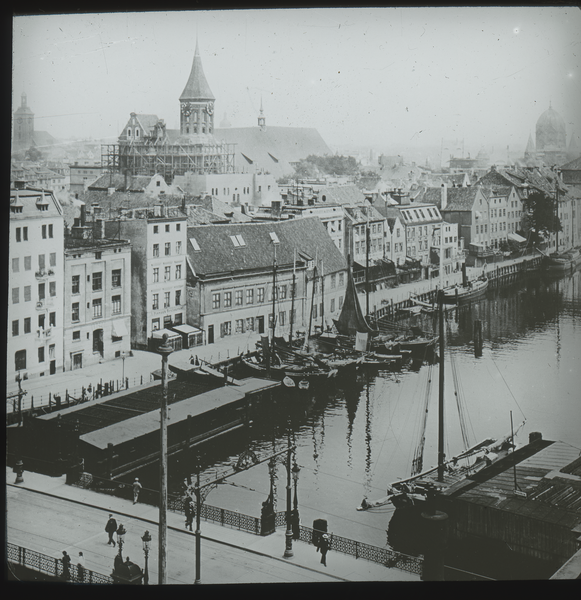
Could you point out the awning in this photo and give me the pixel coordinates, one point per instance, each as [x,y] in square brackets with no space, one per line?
[119,329]
[158,334]
[515,237]
[187,329]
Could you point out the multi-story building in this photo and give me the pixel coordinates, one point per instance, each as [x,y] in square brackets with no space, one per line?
[158,268]
[395,250]
[81,176]
[365,224]
[333,219]
[231,277]
[97,315]
[35,304]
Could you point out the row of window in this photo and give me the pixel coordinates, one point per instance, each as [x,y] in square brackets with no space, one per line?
[27,262]
[167,227]
[397,247]
[27,323]
[375,246]
[97,305]
[167,299]
[96,280]
[20,357]
[280,294]
[167,273]
[167,321]
[27,289]
[167,249]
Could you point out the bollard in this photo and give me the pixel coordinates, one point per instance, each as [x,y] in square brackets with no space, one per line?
[19,470]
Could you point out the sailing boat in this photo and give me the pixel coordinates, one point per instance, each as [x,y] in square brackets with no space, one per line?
[420,485]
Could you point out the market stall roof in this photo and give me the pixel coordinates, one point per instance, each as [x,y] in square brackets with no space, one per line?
[158,333]
[516,237]
[186,329]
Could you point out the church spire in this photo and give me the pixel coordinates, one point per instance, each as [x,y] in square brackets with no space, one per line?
[261,118]
[197,101]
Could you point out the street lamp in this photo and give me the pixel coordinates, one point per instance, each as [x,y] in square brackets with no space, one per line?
[295,474]
[123,357]
[288,550]
[146,540]
[121,531]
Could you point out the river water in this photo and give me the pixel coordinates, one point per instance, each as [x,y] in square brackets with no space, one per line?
[357,435]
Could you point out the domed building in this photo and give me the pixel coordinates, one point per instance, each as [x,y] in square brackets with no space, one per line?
[551,138]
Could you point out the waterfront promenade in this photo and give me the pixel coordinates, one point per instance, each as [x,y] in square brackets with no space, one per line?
[48,516]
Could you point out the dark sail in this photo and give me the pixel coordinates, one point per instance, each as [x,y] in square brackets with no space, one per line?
[351,319]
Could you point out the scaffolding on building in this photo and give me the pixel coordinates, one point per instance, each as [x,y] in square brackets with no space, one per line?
[152,157]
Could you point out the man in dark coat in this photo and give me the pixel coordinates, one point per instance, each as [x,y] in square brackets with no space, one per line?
[189,511]
[66,560]
[111,528]
[324,548]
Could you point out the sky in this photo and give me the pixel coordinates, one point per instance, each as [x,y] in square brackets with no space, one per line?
[377,77]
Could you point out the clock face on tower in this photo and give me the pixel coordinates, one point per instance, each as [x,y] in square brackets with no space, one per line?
[209,108]
[186,109]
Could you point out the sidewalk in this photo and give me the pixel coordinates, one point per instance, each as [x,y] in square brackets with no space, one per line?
[228,555]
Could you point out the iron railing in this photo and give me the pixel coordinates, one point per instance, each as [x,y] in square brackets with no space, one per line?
[17,555]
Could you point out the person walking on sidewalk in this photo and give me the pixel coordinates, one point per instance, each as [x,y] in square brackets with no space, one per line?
[136,489]
[81,568]
[111,528]
[66,560]
[324,547]
[189,510]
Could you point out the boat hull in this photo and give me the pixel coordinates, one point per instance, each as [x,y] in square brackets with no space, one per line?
[563,262]
[458,294]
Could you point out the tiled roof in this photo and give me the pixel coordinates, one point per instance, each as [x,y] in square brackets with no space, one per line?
[273,149]
[147,121]
[127,200]
[197,87]
[360,214]
[574,165]
[29,198]
[344,195]
[218,254]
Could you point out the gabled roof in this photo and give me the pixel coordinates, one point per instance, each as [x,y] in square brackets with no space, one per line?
[360,214]
[147,121]
[574,165]
[343,195]
[218,253]
[197,87]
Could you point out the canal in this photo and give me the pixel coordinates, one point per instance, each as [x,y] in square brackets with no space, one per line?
[356,435]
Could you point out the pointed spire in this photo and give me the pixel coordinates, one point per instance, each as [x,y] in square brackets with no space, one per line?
[530,149]
[197,87]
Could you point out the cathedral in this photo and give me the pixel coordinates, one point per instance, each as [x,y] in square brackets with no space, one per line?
[237,165]
[24,135]
[550,146]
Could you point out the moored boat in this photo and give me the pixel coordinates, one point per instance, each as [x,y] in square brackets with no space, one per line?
[466,291]
[563,261]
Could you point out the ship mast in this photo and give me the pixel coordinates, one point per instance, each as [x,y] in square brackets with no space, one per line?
[441,455]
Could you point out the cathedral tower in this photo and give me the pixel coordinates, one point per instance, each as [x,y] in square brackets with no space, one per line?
[23,125]
[197,102]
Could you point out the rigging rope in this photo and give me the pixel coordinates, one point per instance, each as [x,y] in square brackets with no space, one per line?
[418,460]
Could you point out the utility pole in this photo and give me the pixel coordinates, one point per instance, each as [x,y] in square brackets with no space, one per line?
[165,350]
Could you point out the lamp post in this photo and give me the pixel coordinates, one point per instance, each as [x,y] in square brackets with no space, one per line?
[288,550]
[146,540]
[123,357]
[295,474]
[121,531]
[165,350]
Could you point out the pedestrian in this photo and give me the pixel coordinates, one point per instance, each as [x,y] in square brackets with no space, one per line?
[136,488]
[189,510]
[81,568]
[111,528]
[66,560]
[324,547]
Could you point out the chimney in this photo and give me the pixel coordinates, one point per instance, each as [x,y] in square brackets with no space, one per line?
[276,208]
[443,197]
[534,436]
[83,215]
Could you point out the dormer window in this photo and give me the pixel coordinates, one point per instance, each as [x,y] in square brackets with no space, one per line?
[129,132]
[195,244]
[136,133]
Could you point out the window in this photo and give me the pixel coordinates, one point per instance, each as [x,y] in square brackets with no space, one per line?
[341,278]
[155,324]
[166,299]
[52,259]
[27,263]
[155,304]
[250,324]
[333,281]
[178,271]
[41,291]
[281,318]
[227,299]
[177,320]
[178,227]
[97,308]
[98,255]
[167,322]
[41,261]
[282,292]
[41,354]
[239,325]
[41,320]
[50,231]
[168,248]
[116,305]
[44,232]
[167,273]
[18,238]
[77,335]
[156,229]
[250,296]
[178,247]
[215,301]
[15,265]
[25,234]
[155,250]
[20,360]
[27,293]
[226,328]
[27,325]
[75,312]
[15,328]
[52,319]
[260,297]
[167,224]
[116,278]
[178,297]
[97,281]
[238,298]
[155,274]
[332,304]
